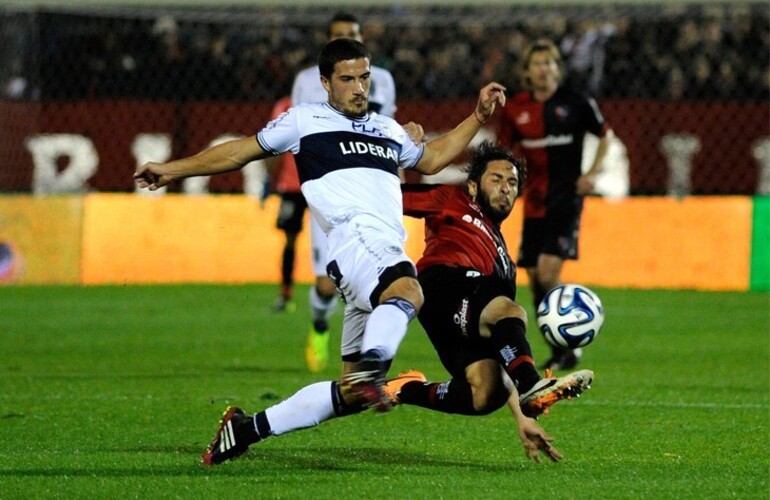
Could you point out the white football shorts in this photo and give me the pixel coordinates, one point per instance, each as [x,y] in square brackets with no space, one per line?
[353,326]
[359,251]
[318,248]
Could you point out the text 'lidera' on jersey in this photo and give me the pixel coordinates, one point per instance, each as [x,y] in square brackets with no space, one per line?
[359,147]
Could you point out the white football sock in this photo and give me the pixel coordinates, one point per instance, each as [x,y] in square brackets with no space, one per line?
[308,407]
[385,329]
[322,308]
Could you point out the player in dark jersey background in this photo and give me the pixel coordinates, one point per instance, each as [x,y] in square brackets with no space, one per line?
[547,123]
[469,313]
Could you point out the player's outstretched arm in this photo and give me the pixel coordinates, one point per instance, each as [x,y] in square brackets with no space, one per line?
[441,151]
[532,436]
[224,157]
[586,183]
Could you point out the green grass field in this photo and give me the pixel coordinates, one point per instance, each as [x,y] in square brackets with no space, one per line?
[115,391]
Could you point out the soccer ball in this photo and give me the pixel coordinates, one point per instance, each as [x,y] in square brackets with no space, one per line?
[570,316]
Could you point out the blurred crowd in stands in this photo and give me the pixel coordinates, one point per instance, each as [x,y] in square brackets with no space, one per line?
[689,52]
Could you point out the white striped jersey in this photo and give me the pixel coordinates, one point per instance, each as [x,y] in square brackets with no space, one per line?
[347,166]
[382,92]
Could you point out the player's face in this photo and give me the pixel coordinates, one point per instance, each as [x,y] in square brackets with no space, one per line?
[543,72]
[349,86]
[344,29]
[498,189]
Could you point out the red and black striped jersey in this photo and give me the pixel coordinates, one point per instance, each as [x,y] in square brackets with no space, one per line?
[550,136]
[457,233]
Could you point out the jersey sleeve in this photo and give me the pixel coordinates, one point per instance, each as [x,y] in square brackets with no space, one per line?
[411,153]
[595,122]
[389,106]
[281,134]
[422,200]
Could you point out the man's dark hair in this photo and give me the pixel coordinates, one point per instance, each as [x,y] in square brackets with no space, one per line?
[341,17]
[488,152]
[341,49]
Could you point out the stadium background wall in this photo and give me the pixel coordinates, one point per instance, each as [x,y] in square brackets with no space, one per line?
[637,242]
[724,163]
[89,89]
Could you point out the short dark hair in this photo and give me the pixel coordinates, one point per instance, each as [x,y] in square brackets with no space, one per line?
[488,152]
[341,17]
[341,49]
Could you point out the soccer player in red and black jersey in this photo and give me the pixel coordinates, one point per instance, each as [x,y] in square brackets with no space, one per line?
[469,313]
[547,123]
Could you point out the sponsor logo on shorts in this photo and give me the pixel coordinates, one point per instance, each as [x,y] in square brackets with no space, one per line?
[461,317]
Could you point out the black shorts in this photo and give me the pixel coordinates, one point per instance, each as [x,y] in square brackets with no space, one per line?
[450,314]
[552,236]
[291,212]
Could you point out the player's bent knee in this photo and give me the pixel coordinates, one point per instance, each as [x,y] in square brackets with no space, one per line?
[487,388]
[488,399]
[399,280]
[325,287]
[500,308]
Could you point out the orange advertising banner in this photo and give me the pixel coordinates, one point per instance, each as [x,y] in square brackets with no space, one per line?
[655,242]
[181,239]
[40,239]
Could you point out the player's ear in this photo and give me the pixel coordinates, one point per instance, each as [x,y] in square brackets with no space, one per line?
[473,189]
[326,83]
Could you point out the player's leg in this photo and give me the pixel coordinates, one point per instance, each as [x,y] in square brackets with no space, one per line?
[504,323]
[290,215]
[385,329]
[486,341]
[323,302]
[560,243]
[285,298]
[306,408]
[479,391]
[371,269]
[501,340]
[450,317]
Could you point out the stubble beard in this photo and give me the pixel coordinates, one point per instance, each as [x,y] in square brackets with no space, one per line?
[497,215]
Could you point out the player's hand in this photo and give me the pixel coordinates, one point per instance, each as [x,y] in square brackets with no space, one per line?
[535,440]
[489,97]
[415,132]
[151,176]
[586,184]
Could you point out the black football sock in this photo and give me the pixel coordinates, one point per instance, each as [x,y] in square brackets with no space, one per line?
[287,267]
[514,353]
[341,408]
[454,396]
[257,429]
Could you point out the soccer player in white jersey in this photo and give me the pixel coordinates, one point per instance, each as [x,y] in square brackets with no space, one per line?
[347,160]
[382,100]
